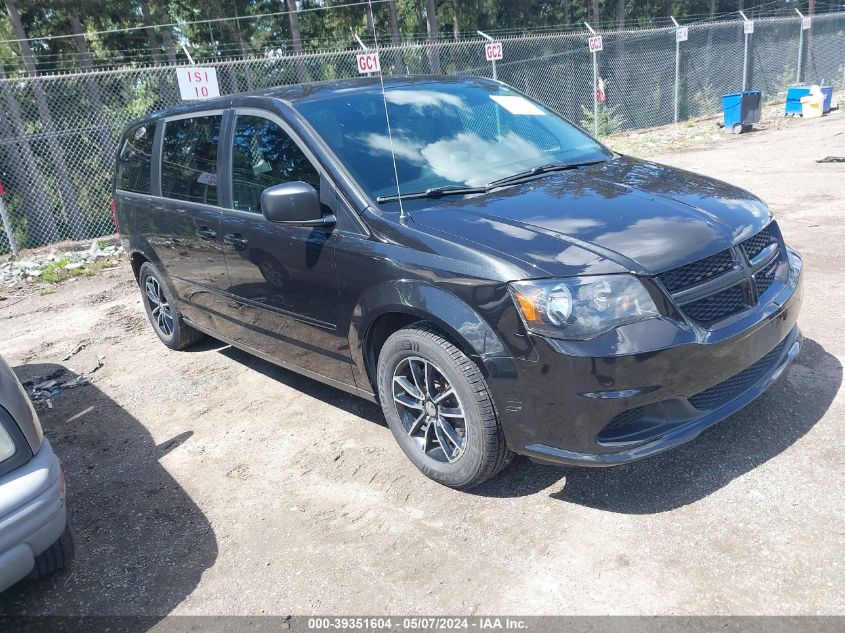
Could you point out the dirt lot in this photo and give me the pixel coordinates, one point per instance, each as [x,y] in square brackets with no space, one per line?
[210,482]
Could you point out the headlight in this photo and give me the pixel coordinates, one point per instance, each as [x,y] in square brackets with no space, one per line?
[7,445]
[581,307]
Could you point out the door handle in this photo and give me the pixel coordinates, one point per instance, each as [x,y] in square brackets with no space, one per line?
[236,240]
[206,233]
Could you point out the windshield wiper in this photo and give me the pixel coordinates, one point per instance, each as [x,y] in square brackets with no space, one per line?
[539,171]
[435,192]
[452,190]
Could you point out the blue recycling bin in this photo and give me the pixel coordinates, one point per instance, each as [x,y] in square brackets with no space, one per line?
[741,110]
[793,99]
[827,91]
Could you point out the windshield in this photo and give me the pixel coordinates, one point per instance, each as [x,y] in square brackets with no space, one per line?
[462,133]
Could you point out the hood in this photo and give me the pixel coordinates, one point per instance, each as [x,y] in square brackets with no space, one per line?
[624,214]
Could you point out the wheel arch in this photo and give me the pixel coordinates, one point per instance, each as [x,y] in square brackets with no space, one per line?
[397,304]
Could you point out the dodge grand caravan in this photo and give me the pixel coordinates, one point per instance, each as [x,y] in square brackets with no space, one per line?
[497,279]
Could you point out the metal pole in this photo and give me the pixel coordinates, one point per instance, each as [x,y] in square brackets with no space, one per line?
[595,96]
[8,226]
[745,65]
[677,66]
[800,45]
[492,61]
[745,55]
[595,87]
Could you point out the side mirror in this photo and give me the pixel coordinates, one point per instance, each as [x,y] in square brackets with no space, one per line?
[294,203]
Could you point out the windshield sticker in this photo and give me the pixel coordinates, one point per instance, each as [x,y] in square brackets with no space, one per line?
[517,105]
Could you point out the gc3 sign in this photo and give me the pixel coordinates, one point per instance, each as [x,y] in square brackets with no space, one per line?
[596,44]
[368,63]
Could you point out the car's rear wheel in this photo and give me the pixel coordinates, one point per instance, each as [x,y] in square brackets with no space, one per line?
[438,406]
[163,312]
[57,556]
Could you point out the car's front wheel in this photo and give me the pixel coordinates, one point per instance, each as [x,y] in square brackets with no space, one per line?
[438,406]
[163,312]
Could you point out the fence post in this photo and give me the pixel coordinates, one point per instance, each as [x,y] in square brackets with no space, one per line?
[800,46]
[745,54]
[595,88]
[492,61]
[678,34]
[6,224]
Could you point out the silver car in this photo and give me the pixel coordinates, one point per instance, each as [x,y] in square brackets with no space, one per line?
[34,535]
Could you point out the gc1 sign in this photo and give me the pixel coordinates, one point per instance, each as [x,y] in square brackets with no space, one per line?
[493,51]
[682,34]
[596,44]
[197,83]
[368,63]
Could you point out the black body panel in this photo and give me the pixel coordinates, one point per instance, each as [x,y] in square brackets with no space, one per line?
[311,298]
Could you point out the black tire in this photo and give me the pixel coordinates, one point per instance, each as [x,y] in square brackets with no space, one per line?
[485,452]
[57,556]
[172,331]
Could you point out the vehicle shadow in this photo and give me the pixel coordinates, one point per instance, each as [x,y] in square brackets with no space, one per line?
[141,542]
[326,393]
[761,431]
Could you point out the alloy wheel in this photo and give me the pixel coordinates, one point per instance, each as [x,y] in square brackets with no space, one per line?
[429,409]
[159,307]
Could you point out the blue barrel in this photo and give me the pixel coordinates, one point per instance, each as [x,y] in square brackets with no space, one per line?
[741,108]
[827,91]
[793,99]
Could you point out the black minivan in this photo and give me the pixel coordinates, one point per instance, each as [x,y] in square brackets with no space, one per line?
[497,279]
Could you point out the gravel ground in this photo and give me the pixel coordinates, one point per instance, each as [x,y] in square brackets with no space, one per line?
[210,482]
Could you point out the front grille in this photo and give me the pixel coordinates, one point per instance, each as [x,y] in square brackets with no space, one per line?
[697,272]
[755,244]
[728,273]
[727,390]
[766,277]
[717,306]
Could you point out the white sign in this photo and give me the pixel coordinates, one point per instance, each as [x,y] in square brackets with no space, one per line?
[748,26]
[682,34]
[806,22]
[197,83]
[369,63]
[516,104]
[493,51]
[596,44]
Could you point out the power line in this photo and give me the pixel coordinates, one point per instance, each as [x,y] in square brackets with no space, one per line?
[191,22]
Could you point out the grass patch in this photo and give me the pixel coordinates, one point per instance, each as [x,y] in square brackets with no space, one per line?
[57,271]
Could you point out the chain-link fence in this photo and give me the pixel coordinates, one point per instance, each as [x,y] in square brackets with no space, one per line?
[58,133]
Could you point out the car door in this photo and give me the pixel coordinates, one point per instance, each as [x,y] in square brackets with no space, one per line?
[188,240]
[282,278]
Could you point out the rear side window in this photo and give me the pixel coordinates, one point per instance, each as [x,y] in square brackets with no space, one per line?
[135,159]
[189,159]
[263,156]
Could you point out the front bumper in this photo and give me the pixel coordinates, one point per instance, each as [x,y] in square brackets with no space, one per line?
[32,514]
[646,388]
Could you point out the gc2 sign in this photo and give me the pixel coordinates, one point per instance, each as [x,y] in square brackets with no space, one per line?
[748,27]
[493,51]
[682,34]
[806,22]
[596,44]
[197,83]
[369,63]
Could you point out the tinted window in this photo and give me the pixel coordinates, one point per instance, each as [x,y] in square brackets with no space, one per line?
[134,162]
[189,159]
[444,133]
[263,156]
